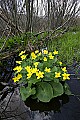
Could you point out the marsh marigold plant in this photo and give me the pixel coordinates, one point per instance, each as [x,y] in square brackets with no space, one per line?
[41,75]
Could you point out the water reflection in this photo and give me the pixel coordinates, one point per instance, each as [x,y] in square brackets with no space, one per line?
[6,68]
[55,104]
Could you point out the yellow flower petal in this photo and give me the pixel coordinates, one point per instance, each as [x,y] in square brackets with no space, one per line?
[55,52]
[51,57]
[16,79]
[47,69]
[50,53]
[36,64]
[45,59]
[37,51]
[22,52]
[45,51]
[35,70]
[64,69]
[33,55]
[39,74]
[19,62]
[57,74]
[60,63]
[29,75]
[66,76]
[23,57]
[39,54]
[17,68]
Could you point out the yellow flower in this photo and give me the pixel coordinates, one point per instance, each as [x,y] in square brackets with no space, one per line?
[18,68]
[50,53]
[51,57]
[39,54]
[64,69]
[37,51]
[19,62]
[23,57]
[15,79]
[45,59]
[28,68]
[47,69]
[57,74]
[36,64]
[29,75]
[19,76]
[45,51]
[22,52]
[39,74]
[34,70]
[55,52]
[60,63]
[66,76]
[33,55]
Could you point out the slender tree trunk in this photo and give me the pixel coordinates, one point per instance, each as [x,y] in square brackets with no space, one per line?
[27,15]
[48,15]
[31,17]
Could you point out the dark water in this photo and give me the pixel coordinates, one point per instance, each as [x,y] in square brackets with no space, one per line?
[55,104]
[6,69]
[60,108]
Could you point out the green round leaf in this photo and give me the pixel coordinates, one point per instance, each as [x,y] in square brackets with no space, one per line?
[33,91]
[23,93]
[44,92]
[54,69]
[57,89]
[67,89]
[26,92]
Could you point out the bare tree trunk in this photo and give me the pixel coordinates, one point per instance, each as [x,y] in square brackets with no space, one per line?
[37,7]
[31,23]
[48,15]
[27,15]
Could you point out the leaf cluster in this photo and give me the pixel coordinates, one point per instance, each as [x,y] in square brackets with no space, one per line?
[40,75]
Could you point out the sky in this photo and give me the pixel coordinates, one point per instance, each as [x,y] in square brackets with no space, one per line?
[42,6]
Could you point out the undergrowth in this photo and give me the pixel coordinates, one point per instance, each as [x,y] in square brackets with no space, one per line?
[68,44]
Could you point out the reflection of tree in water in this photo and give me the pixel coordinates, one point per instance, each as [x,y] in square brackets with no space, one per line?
[13,108]
[55,104]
